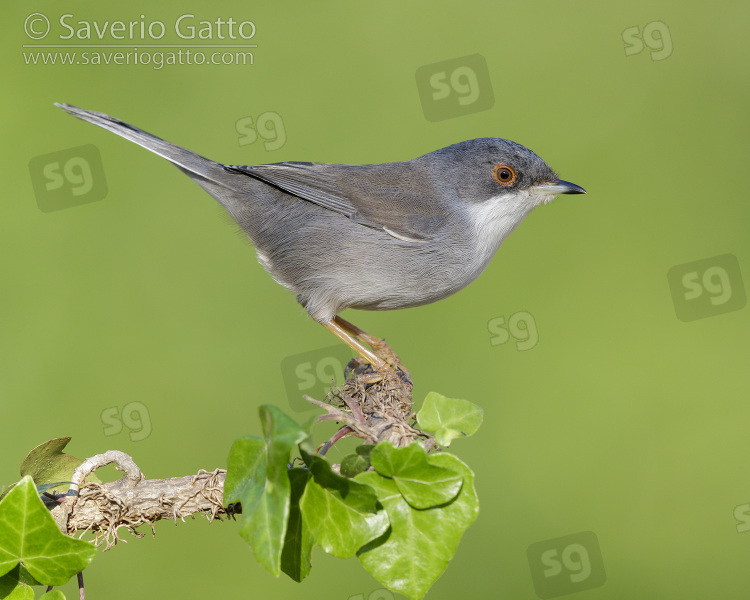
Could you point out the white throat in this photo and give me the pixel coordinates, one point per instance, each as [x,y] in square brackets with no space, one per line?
[495,219]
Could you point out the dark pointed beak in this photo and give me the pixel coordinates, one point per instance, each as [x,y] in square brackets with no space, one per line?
[558,187]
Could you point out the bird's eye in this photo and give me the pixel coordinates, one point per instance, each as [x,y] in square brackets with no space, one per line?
[504,174]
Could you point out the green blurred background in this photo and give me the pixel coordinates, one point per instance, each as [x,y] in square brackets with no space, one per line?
[621,419]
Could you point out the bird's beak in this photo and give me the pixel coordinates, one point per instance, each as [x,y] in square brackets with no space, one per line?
[558,187]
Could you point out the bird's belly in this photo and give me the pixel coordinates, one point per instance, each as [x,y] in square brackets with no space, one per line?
[425,276]
[363,268]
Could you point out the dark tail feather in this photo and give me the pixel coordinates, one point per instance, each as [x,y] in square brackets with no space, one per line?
[190,163]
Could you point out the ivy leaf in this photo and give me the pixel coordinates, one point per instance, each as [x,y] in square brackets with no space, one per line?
[16,584]
[449,418]
[364,450]
[12,589]
[353,464]
[341,513]
[52,595]
[257,478]
[298,542]
[420,483]
[4,492]
[419,544]
[40,489]
[28,533]
[19,573]
[47,463]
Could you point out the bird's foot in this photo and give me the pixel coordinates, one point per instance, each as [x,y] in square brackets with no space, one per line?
[386,353]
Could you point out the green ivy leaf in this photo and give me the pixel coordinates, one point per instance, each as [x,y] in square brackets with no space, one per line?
[47,463]
[421,483]
[28,533]
[19,573]
[416,549]
[11,589]
[40,489]
[354,464]
[16,584]
[257,478]
[364,450]
[449,418]
[342,514]
[298,543]
[52,595]
[4,492]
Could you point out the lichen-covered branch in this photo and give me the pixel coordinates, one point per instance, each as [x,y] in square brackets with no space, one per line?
[133,500]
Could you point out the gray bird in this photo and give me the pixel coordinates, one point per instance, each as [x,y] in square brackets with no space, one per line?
[372,237]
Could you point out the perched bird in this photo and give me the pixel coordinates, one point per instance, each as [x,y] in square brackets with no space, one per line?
[372,237]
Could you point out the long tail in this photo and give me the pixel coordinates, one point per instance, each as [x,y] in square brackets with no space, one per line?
[205,172]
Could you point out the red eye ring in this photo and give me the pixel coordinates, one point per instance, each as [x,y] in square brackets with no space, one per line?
[504,174]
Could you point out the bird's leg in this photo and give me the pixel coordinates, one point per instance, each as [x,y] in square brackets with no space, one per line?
[359,333]
[380,348]
[336,329]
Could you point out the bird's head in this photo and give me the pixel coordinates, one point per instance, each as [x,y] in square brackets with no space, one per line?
[498,172]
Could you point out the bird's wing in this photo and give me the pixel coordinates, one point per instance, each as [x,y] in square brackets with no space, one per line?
[384,197]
